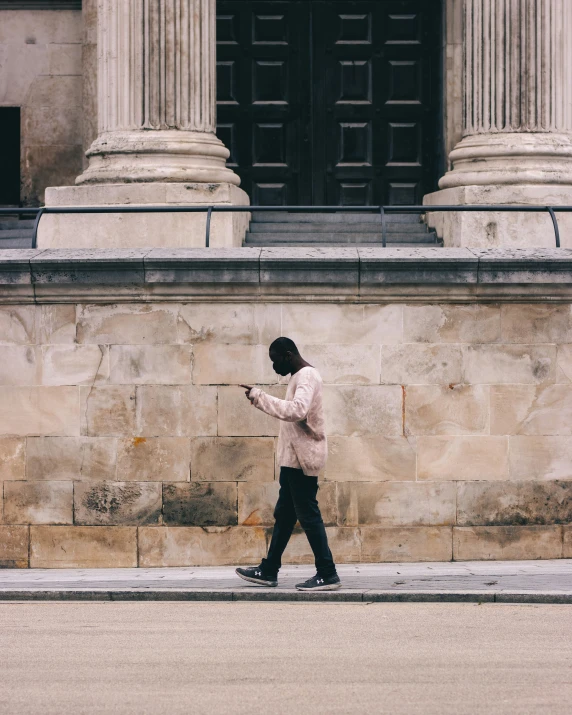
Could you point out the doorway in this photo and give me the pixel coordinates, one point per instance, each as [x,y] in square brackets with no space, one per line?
[10,156]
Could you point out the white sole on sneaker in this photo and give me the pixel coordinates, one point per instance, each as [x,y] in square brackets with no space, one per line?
[256,581]
[327,587]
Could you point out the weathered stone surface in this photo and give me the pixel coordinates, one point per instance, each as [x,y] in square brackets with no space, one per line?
[540,457]
[564,363]
[103,266]
[70,547]
[567,542]
[462,458]
[18,365]
[421,364]
[344,543]
[17,324]
[15,273]
[14,542]
[342,324]
[232,269]
[74,364]
[39,411]
[150,364]
[423,265]
[256,503]
[344,364]
[314,269]
[500,543]
[56,324]
[416,543]
[117,503]
[514,503]
[71,458]
[200,504]
[370,458]
[38,502]
[506,364]
[530,324]
[229,459]
[531,409]
[125,324]
[195,546]
[359,410]
[107,410]
[217,364]
[236,324]
[446,409]
[154,459]
[12,458]
[237,417]
[177,411]
[451,323]
[396,504]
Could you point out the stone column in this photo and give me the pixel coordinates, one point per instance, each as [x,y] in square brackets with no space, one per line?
[156,143]
[517,122]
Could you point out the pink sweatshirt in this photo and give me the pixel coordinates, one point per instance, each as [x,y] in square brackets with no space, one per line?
[302,442]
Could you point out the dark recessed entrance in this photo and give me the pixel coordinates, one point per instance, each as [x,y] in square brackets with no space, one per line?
[329,101]
[10,156]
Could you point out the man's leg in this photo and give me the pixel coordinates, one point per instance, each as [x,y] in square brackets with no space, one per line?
[303,490]
[285,519]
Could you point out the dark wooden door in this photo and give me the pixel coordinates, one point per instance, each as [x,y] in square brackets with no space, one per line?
[330,102]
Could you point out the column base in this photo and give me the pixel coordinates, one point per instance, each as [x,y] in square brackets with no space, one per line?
[143,230]
[498,229]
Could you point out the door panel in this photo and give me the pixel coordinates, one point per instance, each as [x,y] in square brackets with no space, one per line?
[330,101]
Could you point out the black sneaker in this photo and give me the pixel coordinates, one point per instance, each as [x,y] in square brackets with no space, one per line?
[320,583]
[257,575]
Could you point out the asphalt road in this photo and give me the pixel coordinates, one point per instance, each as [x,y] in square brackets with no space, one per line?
[408,658]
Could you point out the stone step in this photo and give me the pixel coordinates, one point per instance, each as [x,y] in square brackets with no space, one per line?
[10,224]
[16,233]
[295,239]
[15,242]
[343,217]
[390,244]
[295,226]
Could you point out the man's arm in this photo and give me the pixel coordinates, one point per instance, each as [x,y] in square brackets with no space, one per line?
[294,410]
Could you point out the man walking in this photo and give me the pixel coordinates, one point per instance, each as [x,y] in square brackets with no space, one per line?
[302,451]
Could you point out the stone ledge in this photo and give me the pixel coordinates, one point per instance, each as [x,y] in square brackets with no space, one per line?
[337,273]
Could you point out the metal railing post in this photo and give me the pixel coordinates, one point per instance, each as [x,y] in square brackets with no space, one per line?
[36,224]
[383,226]
[208,236]
[555,224]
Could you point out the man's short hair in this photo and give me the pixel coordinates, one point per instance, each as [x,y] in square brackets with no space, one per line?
[284,345]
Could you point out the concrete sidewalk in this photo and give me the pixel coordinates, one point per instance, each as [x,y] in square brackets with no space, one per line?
[490,581]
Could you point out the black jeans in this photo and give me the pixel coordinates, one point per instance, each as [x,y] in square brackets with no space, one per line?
[297,501]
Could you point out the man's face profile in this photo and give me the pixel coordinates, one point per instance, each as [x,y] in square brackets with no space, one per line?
[280,362]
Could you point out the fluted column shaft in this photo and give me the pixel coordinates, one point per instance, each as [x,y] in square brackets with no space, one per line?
[157,94]
[517,94]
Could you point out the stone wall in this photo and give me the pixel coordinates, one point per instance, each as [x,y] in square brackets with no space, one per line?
[41,72]
[125,439]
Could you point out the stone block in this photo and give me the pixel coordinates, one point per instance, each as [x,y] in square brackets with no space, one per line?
[506,364]
[564,363]
[396,504]
[194,546]
[62,91]
[56,324]
[12,458]
[64,59]
[452,323]
[150,364]
[344,544]
[380,265]
[499,543]
[127,324]
[235,268]
[531,409]
[117,503]
[462,458]
[256,503]
[524,265]
[402,544]
[421,364]
[216,364]
[61,124]
[359,410]
[370,458]
[15,271]
[567,542]
[100,266]
[177,411]
[341,324]
[73,547]
[107,410]
[446,409]
[344,364]
[17,324]
[154,459]
[514,503]
[540,457]
[200,504]
[534,323]
[48,165]
[38,502]
[74,364]
[39,411]
[18,365]
[14,544]
[236,324]
[230,459]
[71,458]
[237,417]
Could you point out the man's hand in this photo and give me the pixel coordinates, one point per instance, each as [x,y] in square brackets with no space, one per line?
[248,388]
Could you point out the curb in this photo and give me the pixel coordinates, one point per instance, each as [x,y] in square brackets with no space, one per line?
[289,595]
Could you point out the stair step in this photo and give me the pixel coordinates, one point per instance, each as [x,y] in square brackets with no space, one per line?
[16,233]
[340,217]
[294,227]
[309,237]
[9,224]
[338,245]
[15,242]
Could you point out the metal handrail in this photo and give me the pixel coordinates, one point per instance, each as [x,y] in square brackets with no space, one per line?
[382,210]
